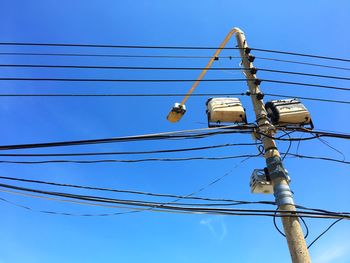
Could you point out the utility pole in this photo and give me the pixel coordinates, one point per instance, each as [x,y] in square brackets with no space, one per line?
[277,173]
[279,177]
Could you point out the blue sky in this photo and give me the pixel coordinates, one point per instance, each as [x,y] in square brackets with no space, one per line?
[317,27]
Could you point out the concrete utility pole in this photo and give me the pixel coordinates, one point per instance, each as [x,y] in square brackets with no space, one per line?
[283,195]
[277,173]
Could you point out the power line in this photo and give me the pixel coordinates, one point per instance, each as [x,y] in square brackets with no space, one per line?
[227,211]
[113,46]
[320,133]
[112,67]
[173,80]
[168,159]
[318,158]
[186,134]
[172,95]
[164,56]
[126,153]
[109,55]
[132,161]
[167,47]
[135,192]
[166,68]
[300,54]
[302,63]
[305,84]
[324,232]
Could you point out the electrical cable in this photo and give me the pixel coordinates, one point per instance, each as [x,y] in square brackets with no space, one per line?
[131,161]
[167,47]
[172,95]
[316,135]
[113,46]
[167,68]
[107,55]
[302,63]
[174,80]
[132,209]
[331,147]
[278,229]
[169,159]
[123,95]
[300,54]
[128,153]
[136,192]
[318,158]
[324,232]
[55,212]
[185,134]
[320,133]
[164,56]
[304,84]
[289,146]
[230,211]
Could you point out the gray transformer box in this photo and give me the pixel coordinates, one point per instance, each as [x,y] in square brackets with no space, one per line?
[288,112]
[222,111]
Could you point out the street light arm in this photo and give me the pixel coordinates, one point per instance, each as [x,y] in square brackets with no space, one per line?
[179,110]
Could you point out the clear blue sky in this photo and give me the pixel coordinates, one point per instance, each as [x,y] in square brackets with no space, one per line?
[317,27]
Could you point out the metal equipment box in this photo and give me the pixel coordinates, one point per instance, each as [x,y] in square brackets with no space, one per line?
[223,111]
[259,183]
[288,112]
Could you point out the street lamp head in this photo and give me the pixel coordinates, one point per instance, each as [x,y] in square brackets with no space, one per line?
[176,112]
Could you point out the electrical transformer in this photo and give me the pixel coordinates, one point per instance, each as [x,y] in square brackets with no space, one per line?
[288,112]
[260,183]
[225,111]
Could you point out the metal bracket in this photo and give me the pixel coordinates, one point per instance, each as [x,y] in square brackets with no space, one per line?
[275,168]
[282,192]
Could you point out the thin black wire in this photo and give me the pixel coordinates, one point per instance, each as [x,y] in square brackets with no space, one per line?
[118,80]
[114,46]
[113,67]
[300,54]
[61,213]
[174,80]
[307,98]
[301,63]
[168,159]
[171,95]
[137,192]
[316,134]
[123,95]
[331,147]
[166,68]
[131,161]
[179,208]
[305,84]
[318,158]
[303,74]
[172,135]
[278,229]
[127,153]
[324,232]
[164,56]
[107,55]
[168,47]
[289,146]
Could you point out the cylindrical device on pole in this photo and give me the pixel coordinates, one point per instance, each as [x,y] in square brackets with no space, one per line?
[284,198]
